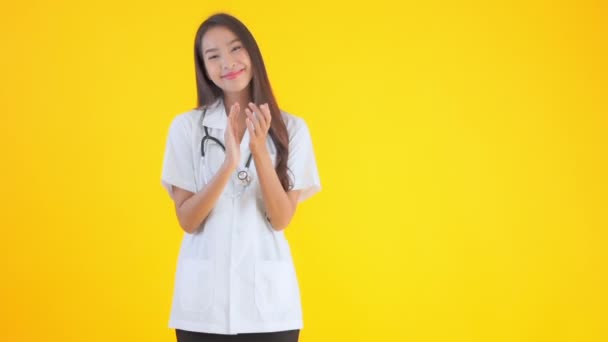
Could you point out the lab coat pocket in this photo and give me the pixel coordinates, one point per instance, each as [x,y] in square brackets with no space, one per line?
[276,287]
[195,284]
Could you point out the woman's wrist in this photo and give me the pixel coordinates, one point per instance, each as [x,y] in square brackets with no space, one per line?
[260,151]
[228,166]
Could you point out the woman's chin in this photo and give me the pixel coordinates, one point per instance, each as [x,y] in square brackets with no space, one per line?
[234,87]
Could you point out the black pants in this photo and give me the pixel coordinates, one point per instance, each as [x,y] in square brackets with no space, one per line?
[279,336]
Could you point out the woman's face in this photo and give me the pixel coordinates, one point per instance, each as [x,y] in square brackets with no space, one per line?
[226,60]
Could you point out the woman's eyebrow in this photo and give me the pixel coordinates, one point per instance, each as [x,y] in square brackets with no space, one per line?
[215,49]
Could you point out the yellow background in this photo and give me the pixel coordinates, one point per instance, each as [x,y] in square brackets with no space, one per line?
[461,146]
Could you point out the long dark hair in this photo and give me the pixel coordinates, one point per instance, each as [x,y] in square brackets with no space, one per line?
[261,92]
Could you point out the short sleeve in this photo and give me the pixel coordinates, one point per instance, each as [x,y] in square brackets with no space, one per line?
[302,163]
[178,166]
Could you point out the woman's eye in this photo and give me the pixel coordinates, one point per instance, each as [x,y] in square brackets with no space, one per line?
[233,49]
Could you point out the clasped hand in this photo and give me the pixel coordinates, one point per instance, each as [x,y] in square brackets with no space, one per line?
[258,125]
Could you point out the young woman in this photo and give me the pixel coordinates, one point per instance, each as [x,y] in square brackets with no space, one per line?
[236,167]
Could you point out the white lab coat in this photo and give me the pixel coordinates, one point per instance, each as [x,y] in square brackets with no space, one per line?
[235,274]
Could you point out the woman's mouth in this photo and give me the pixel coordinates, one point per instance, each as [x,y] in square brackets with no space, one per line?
[233,75]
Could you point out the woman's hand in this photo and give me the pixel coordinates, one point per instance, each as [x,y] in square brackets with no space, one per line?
[233,150]
[258,126]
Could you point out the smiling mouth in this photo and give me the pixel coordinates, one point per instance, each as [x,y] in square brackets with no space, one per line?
[233,75]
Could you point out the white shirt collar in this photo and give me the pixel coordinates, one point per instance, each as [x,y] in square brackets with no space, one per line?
[216,117]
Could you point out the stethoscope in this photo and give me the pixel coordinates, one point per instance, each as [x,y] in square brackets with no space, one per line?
[243,174]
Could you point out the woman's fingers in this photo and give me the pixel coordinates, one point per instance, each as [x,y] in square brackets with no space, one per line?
[253,120]
[234,109]
[234,113]
[232,124]
[250,127]
[266,113]
[228,138]
[260,118]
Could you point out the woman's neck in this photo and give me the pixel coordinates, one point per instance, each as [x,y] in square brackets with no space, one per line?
[242,98]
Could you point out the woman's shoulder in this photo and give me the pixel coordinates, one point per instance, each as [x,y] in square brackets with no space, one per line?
[186,119]
[293,122]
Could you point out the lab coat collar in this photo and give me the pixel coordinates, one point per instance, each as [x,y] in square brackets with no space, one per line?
[216,117]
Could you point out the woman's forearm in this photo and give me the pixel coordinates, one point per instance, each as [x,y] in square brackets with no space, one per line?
[279,208]
[195,209]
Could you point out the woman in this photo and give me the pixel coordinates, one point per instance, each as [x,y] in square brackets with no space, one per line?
[236,167]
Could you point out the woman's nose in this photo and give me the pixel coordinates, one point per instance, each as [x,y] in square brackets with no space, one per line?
[229,64]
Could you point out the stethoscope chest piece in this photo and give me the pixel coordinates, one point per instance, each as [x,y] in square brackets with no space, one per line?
[244,177]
